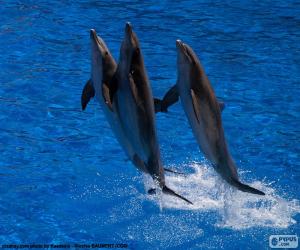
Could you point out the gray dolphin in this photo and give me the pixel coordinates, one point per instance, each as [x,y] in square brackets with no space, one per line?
[204,114]
[103,87]
[136,109]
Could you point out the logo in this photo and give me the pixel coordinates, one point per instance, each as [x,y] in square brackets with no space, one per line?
[283,241]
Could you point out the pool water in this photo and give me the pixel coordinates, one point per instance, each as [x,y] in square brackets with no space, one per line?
[65,179]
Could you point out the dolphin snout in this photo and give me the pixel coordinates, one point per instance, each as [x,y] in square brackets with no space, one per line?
[178,43]
[93,33]
[128,28]
[128,39]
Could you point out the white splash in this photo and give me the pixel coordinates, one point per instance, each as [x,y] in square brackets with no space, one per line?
[237,210]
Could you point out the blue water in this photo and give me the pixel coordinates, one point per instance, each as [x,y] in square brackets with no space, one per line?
[64,177]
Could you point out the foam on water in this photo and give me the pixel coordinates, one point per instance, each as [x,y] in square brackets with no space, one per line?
[236,209]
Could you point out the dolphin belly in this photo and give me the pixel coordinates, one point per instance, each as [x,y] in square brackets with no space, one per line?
[129,122]
[113,119]
[198,128]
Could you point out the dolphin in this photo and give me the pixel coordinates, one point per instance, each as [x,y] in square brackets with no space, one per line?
[204,114]
[136,110]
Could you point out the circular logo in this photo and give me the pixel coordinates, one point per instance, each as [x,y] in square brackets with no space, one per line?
[274,241]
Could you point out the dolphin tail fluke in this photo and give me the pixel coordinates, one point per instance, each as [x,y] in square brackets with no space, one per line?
[87,93]
[246,188]
[169,191]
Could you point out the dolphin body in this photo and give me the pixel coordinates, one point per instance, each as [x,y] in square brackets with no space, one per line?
[103,86]
[136,109]
[204,114]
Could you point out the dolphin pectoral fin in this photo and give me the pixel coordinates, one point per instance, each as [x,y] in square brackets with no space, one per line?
[106,96]
[113,88]
[172,171]
[246,188]
[171,97]
[88,92]
[134,91]
[221,105]
[196,105]
[169,191]
[160,105]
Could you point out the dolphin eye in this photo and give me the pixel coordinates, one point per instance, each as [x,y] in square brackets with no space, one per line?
[106,53]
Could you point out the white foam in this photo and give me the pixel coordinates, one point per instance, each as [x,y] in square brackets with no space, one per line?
[236,209]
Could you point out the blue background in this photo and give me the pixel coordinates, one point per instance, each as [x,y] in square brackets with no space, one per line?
[65,179]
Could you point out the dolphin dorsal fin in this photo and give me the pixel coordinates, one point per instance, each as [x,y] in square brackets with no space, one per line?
[196,105]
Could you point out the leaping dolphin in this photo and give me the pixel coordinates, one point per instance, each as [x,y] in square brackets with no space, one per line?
[204,114]
[136,110]
[103,88]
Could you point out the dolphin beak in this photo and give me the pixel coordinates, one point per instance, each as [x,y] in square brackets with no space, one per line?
[178,42]
[179,45]
[93,34]
[182,52]
[128,33]
[128,28]
[94,37]
[96,40]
